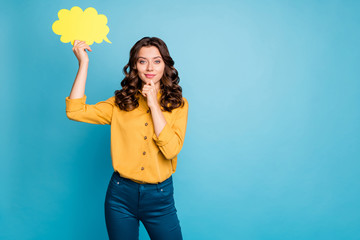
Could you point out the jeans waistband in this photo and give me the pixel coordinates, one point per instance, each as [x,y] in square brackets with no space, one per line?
[145,185]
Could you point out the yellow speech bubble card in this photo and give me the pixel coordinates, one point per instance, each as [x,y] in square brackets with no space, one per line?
[76,24]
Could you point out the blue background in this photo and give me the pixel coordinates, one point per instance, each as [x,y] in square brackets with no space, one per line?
[272,143]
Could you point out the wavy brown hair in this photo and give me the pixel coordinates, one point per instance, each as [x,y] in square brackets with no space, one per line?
[171,91]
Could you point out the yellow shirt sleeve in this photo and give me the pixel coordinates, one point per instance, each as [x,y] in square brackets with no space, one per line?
[99,113]
[171,138]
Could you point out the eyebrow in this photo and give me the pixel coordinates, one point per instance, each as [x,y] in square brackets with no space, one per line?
[153,58]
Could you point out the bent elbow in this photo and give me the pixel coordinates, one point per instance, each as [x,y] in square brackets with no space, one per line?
[169,155]
[71,115]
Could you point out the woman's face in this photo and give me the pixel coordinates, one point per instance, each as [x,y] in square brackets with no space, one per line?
[150,65]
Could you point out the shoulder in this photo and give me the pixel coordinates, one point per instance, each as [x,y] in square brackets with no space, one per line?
[108,101]
[186,103]
[111,100]
[183,107]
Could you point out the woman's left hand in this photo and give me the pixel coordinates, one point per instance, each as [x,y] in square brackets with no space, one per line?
[149,91]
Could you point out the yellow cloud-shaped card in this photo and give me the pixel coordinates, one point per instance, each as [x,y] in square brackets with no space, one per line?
[76,24]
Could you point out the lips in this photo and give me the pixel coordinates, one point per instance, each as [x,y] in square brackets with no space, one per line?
[149,75]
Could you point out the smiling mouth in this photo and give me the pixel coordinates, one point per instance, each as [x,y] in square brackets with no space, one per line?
[149,75]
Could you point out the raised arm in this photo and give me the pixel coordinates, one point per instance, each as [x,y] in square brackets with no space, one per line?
[76,107]
[78,88]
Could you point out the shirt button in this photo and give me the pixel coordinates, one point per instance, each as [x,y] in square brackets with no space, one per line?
[148,111]
[142,168]
[145,137]
[146,124]
[144,153]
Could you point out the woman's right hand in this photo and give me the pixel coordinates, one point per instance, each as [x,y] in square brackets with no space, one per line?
[79,51]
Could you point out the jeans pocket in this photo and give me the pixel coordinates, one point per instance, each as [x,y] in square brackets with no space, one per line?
[115,181]
[166,194]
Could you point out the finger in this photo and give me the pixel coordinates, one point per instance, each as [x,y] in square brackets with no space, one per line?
[85,46]
[88,47]
[79,42]
[82,46]
[77,45]
[145,92]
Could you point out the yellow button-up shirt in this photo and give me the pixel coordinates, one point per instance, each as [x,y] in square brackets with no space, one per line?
[136,152]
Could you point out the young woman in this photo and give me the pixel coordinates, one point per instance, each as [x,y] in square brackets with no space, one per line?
[148,119]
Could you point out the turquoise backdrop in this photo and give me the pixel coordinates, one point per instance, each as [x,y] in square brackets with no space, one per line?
[272,149]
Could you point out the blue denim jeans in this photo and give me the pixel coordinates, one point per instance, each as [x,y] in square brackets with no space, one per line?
[127,202]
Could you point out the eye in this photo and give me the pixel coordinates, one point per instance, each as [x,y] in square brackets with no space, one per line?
[157,61]
[141,61]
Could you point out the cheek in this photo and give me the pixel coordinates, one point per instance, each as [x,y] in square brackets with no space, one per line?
[140,68]
[161,69]
[160,72]
[140,73]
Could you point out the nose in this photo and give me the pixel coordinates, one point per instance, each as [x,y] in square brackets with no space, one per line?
[149,66]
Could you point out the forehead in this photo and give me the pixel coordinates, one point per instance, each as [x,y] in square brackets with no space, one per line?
[149,52]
